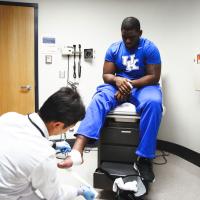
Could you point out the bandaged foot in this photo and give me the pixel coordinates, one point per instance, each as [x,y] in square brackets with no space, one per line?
[76,157]
[73,158]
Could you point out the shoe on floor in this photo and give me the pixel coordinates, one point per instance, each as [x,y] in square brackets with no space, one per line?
[145,169]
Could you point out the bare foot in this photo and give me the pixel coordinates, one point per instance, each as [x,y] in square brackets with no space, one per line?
[67,163]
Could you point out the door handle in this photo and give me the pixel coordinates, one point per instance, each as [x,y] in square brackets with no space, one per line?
[26,88]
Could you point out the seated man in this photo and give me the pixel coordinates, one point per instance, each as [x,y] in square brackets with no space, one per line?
[131,73]
[27,159]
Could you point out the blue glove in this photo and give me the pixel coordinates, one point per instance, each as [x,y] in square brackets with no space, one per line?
[62,147]
[87,192]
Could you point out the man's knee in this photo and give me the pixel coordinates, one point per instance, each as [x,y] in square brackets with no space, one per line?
[155,104]
[104,98]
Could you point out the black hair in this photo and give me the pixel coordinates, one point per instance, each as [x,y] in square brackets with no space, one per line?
[130,23]
[65,106]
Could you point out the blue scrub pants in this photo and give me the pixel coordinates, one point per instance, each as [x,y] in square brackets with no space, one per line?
[148,102]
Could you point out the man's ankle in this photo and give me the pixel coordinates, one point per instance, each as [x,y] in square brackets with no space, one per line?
[141,159]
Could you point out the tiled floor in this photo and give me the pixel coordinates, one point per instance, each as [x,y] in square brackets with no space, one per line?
[177,179]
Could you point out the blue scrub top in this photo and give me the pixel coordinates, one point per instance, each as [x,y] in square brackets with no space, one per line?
[132,63]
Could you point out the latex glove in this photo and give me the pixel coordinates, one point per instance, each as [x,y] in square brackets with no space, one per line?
[62,147]
[87,192]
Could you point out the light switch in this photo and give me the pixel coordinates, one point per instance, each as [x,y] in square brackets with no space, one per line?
[48,59]
[61,74]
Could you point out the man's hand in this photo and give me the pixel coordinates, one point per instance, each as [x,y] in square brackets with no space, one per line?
[123,85]
[62,147]
[121,97]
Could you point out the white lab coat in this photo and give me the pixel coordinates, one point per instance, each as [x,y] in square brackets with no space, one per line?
[27,161]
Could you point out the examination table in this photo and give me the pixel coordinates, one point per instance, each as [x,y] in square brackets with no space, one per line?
[117,145]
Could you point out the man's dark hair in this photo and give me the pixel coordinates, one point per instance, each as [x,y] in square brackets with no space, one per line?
[65,106]
[130,23]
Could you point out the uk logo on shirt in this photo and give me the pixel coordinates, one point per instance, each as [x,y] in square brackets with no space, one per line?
[129,62]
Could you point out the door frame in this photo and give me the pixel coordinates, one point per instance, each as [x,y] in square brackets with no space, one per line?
[35,6]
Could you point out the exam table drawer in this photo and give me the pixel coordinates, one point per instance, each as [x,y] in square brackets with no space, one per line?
[120,135]
[111,153]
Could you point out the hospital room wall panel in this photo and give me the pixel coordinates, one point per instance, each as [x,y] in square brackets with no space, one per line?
[172,25]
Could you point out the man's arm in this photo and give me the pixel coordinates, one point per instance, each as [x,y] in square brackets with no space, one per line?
[152,76]
[109,70]
[45,178]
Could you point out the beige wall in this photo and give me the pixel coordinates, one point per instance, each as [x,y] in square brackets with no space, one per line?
[172,25]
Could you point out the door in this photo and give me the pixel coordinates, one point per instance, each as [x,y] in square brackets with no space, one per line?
[17,59]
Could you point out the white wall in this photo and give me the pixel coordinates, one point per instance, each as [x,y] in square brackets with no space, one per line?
[172,25]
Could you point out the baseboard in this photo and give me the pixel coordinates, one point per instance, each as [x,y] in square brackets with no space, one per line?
[183,152]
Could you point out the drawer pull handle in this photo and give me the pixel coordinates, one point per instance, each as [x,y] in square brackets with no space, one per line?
[125,131]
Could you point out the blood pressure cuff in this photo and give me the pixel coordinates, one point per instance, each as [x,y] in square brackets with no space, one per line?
[127,183]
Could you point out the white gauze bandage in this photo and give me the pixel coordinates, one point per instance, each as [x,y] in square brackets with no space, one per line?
[130,85]
[76,157]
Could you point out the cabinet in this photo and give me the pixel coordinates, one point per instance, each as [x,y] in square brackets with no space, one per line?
[116,151]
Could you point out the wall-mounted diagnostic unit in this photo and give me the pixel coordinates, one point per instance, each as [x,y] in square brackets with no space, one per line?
[67,50]
[88,53]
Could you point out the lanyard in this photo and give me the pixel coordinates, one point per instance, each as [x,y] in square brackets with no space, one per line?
[36,126]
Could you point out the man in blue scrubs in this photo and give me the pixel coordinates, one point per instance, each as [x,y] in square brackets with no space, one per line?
[131,73]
